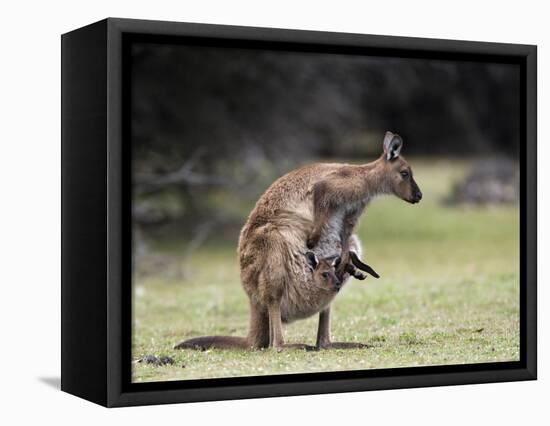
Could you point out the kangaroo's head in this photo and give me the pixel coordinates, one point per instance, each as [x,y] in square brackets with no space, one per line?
[324,270]
[396,172]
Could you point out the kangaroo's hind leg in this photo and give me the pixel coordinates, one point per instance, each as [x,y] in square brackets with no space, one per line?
[258,331]
[323,335]
[271,285]
[275,325]
[323,331]
[276,331]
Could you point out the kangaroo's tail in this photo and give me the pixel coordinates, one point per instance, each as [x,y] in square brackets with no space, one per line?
[214,342]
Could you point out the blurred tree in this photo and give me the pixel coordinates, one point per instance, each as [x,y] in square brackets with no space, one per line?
[217,125]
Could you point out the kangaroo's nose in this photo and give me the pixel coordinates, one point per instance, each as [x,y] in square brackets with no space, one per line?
[419,195]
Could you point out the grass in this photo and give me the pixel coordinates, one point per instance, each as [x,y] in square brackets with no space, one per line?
[449,294]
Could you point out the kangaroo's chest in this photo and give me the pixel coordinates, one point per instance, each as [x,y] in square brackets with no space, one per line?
[306,297]
[330,243]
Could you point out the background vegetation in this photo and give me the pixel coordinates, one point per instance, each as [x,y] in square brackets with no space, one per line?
[212,128]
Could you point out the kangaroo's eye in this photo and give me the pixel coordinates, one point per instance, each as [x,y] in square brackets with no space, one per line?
[325,274]
[404,174]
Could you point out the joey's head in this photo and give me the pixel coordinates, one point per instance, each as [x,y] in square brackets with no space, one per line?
[397,173]
[324,270]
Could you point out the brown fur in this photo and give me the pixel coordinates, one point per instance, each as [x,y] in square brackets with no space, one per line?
[320,204]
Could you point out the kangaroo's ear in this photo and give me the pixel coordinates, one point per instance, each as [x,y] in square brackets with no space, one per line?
[336,262]
[312,260]
[392,145]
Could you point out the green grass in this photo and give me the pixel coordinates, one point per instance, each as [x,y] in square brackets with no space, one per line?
[449,294]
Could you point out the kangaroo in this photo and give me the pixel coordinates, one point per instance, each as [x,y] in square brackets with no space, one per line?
[314,208]
[324,267]
[324,272]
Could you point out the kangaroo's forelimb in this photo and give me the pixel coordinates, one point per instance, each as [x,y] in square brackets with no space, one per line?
[342,190]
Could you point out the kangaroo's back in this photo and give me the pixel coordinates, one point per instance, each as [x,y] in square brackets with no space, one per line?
[277,228]
[291,193]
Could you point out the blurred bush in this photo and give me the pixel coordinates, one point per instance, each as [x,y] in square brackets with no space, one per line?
[213,127]
[490,181]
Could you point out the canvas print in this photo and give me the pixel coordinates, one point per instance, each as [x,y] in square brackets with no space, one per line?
[300,212]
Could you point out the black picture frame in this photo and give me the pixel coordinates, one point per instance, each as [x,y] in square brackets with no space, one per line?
[96,216]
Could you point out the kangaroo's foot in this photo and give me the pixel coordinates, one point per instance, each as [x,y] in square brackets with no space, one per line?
[294,346]
[302,346]
[341,345]
[363,266]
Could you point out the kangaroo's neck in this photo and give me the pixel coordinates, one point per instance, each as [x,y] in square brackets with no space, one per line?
[373,179]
